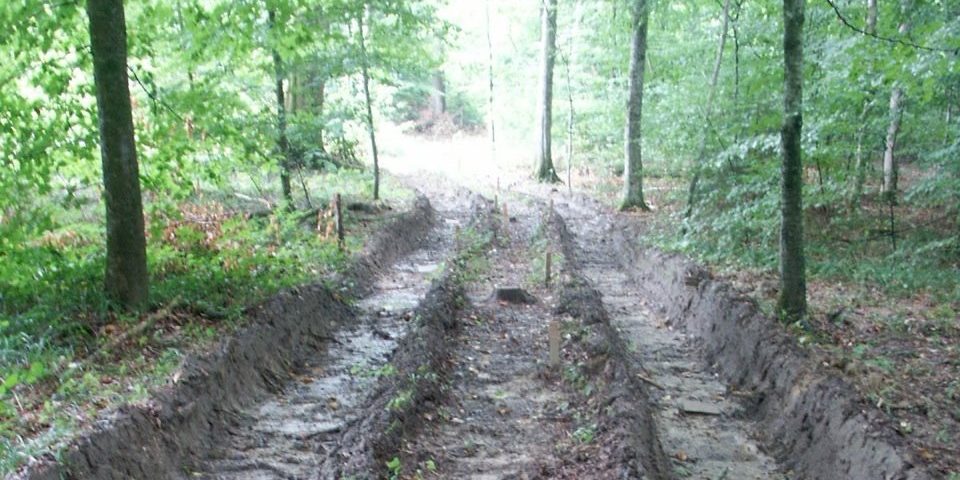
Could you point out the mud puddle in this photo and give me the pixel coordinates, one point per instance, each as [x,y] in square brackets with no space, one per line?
[699,419]
[288,435]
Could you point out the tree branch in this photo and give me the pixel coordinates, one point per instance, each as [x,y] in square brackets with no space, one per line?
[955,51]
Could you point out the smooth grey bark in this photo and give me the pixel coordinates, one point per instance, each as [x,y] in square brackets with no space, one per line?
[548,28]
[860,166]
[793,284]
[889,158]
[365,72]
[632,196]
[702,149]
[126,280]
[438,97]
[890,173]
[491,123]
[283,143]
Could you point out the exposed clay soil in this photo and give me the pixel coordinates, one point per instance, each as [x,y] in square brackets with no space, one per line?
[665,372]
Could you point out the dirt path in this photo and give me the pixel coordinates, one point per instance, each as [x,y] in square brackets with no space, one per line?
[506,414]
[287,435]
[698,417]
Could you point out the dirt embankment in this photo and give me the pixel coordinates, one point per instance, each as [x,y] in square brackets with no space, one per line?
[813,421]
[420,367]
[628,415]
[182,421]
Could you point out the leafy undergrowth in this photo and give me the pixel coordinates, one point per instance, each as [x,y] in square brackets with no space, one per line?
[66,355]
[886,318]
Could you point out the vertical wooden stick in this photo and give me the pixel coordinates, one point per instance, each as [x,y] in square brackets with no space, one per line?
[506,213]
[546,277]
[457,237]
[341,241]
[554,334]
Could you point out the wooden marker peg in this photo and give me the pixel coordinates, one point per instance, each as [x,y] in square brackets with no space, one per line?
[341,240]
[457,237]
[554,334]
[547,268]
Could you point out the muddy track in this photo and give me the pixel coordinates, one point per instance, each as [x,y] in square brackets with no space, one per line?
[679,408]
[169,434]
[709,350]
[417,368]
[507,413]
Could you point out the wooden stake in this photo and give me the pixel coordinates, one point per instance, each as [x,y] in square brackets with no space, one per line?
[456,236]
[341,241]
[506,213]
[554,334]
[546,277]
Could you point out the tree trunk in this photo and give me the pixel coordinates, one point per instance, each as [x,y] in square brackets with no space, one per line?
[633,161]
[548,16]
[889,158]
[860,164]
[438,97]
[283,144]
[702,150]
[793,286]
[490,101]
[871,17]
[364,70]
[320,96]
[126,280]
[890,173]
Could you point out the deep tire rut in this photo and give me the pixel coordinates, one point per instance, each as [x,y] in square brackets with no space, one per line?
[289,435]
[698,418]
[505,415]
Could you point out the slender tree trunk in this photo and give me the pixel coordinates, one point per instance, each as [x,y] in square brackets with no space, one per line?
[571,112]
[860,164]
[633,160]
[889,153]
[736,64]
[793,286]
[283,144]
[365,72]
[438,98]
[890,172]
[708,113]
[545,170]
[491,123]
[320,98]
[126,280]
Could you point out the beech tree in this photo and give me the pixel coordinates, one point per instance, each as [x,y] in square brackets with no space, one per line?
[548,52]
[633,162]
[793,285]
[126,279]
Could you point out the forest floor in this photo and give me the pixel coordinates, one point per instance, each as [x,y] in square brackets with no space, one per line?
[426,373]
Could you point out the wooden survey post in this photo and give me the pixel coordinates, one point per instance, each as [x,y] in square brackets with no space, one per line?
[341,241]
[553,332]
